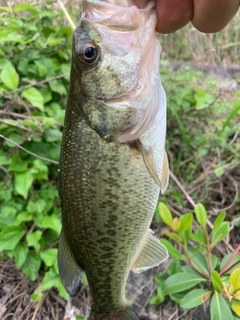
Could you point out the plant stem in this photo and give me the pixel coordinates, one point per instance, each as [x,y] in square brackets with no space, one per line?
[226,266]
[29,152]
[208,251]
[193,264]
[232,266]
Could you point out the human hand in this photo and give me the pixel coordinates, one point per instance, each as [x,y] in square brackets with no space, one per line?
[205,15]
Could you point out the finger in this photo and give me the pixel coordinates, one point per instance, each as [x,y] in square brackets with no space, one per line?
[213,15]
[173,14]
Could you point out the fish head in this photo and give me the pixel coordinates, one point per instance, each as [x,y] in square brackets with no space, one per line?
[115,65]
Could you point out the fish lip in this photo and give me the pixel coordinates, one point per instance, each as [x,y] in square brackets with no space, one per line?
[102,16]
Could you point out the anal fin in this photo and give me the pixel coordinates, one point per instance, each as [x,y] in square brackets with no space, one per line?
[151,253]
[69,271]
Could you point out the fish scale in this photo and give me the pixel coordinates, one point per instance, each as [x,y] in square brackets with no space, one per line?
[96,202]
[112,164]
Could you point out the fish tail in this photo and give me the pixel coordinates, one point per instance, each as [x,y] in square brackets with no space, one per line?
[123,314]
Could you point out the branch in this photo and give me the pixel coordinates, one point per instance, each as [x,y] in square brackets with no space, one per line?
[27,151]
[36,84]
[72,24]
[181,187]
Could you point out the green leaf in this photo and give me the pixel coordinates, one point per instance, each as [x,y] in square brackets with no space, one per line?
[10,77]
[186,222]
[17,164]
[171,250]
[25,6]
[10,237]
[165,214]
[33,239]
[221,233]
[214,261]
[36,297]
[31,266]
[49,256]
[4,160]
[23,182]
[180,282]
[177,238]
[158,298]
[22,217]
[50,280]
[175,267]
[201,214]
[195,298]
[52,222]
[200,261]
[35,97]
[232,115]
[236,307]
[226,259]
[20,254]
[235,279]
[199,236]
[216,281]
[218,221]
[219,308]
[57,86]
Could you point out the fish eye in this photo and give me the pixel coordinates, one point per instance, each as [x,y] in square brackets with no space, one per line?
[89,53]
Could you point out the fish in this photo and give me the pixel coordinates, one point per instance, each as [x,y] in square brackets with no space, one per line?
[113,163]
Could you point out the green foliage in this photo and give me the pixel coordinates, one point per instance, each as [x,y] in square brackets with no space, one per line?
[34,77]
[197,274]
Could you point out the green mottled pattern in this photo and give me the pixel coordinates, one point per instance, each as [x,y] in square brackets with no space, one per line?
[108,200]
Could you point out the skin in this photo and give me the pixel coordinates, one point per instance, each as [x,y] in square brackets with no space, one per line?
[206,15]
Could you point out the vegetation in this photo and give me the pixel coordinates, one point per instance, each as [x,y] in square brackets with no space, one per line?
[197,274]
[203,148]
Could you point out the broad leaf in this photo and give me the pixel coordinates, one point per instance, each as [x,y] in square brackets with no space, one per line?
[23,182]
[221,233]
[236,307]
[10,237]
[171,250]
[49,256]
[165,214]
[218,221]
[195,298]
[180,282]
[31,266]
[216,281]
[35,97]
[219,308]
[201,214]
[10,77]
[235,279]
[186,222]
[20,254]
[33,239]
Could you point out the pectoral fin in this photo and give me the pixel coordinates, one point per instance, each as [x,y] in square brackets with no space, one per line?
[151,164]
[151,254]
[69,271]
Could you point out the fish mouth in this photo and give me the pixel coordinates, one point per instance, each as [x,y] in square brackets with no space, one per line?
[120,15]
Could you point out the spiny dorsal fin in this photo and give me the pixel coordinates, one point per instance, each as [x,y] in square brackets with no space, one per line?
[69,271]
[151,253]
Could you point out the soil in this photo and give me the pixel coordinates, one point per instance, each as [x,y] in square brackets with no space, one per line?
[16,288]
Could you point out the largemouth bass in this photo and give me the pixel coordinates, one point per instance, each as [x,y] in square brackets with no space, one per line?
[113,162]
